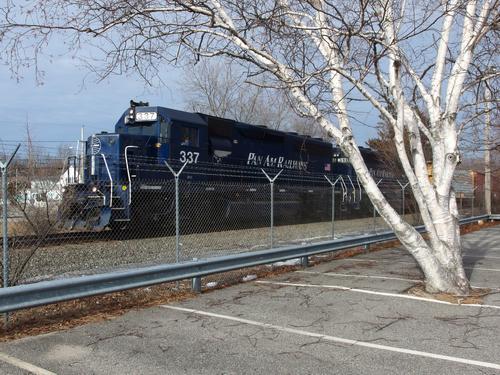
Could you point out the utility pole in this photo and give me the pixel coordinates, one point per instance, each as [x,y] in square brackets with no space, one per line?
[81,155]
[487,151]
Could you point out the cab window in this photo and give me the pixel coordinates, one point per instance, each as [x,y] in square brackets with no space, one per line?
[142,129]
[189,136]
[164,131]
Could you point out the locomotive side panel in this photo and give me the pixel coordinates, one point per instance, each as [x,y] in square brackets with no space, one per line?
[245,145]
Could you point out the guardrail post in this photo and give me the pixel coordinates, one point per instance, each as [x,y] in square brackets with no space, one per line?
[196,284]
[5,227]
[177,221]
[271,184]
[367,248]
[304,261]
[332,184]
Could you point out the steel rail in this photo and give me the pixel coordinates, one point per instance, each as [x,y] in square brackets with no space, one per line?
[47,292]
[53,239]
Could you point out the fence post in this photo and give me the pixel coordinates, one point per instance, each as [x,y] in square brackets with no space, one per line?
[177,221]
[5,227]
[403,187]
[4,167]
[375,212]
[271,183]
[333,203]
[473,197]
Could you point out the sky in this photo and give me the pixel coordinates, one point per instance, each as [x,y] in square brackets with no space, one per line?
[67,100]
[70,98]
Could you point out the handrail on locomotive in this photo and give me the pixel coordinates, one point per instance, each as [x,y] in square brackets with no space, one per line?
[110,181]
[128,173]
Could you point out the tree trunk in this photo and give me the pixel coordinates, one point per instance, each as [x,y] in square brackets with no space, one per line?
[442,263]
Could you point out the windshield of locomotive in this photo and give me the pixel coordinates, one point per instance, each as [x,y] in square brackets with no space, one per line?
[141,128]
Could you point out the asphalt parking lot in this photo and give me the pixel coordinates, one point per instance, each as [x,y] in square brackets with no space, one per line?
[350,316]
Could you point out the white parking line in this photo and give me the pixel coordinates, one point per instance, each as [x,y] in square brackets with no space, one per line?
[481,256]
[367,291]
[377,260]
[361,276]
[339,339]
[414,263]
[465,256]
[24,365]
[380,277]
[482,269]
[490,249]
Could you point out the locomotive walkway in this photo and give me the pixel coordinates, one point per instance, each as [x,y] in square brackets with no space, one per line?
[349,316]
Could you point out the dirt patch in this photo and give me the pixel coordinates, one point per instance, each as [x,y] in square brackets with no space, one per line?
[464,229]
[351,266]
[476,295]
[349,253]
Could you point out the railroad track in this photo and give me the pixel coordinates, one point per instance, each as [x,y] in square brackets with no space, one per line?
[55,239]
[65,238]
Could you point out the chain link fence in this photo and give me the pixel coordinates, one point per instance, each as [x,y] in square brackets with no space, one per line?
[208,210]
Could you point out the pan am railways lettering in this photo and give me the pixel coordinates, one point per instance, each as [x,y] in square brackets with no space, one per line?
[276,162]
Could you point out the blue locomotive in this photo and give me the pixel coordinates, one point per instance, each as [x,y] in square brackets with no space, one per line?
[126,176]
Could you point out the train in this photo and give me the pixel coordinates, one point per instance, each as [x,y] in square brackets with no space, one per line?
[129,177]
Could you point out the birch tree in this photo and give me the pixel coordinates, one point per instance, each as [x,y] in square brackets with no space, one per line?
[408,59]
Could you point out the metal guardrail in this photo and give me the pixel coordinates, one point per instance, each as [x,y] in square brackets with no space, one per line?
[47,292]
